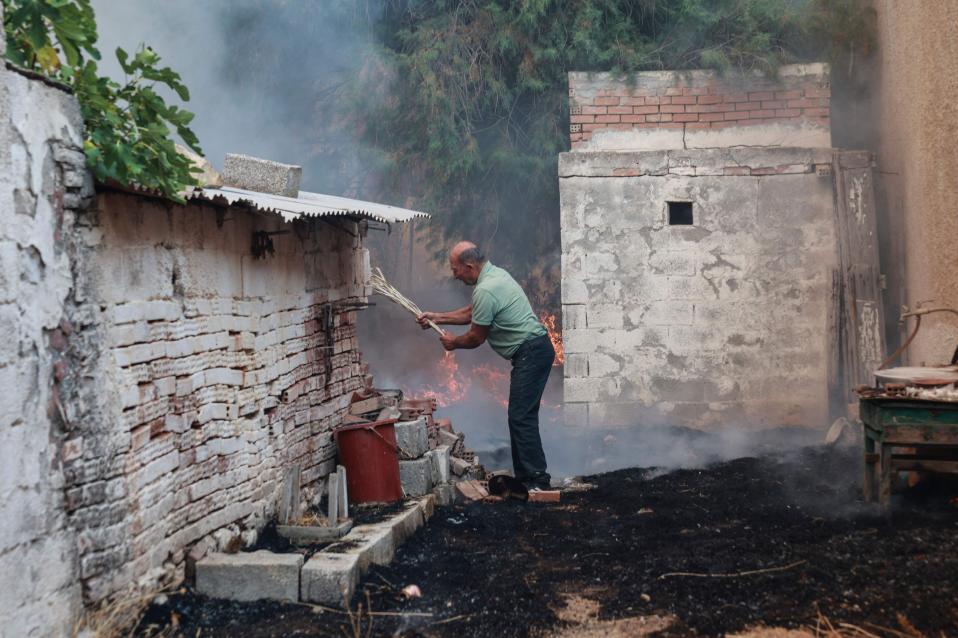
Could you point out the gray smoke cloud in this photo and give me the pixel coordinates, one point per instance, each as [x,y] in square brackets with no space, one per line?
[267,78]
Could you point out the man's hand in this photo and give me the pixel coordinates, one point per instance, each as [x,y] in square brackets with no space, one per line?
[425,318]
[448,340]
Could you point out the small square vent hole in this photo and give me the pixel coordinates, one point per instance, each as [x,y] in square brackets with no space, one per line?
[680,214]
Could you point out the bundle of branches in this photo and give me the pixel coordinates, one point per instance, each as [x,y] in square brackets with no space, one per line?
[384,288]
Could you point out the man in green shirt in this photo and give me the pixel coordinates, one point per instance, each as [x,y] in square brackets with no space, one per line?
[500,313]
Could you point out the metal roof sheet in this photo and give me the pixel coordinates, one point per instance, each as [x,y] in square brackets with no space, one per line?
[306,205]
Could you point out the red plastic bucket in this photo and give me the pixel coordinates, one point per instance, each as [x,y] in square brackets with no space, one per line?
[369,453]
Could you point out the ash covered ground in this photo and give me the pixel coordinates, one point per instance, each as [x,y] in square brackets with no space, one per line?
[773,540]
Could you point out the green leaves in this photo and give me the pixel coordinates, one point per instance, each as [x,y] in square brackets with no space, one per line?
[129,125]
[479,113]
[34,30]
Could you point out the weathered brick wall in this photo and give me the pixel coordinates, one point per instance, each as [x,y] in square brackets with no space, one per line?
[721,322]
[43,184]
[699,109]
[217,373]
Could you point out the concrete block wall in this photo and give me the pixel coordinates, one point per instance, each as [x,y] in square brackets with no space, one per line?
[655,110]
[216,375]
[724,322]
[43,184]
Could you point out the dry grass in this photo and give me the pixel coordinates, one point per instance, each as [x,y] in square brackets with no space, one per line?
[117,617]
[825,628]
[580,613]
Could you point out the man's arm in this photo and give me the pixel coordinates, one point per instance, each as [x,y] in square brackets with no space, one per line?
[473,339]
[460,317]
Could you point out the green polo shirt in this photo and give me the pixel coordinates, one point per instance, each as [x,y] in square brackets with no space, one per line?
[499,302]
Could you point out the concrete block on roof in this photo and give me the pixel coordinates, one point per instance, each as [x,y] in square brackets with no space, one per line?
[412,438]
[416,476]
[249,576]
[264,176]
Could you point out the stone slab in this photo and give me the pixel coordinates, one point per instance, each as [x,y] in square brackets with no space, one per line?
[308,534]
[330,578]
[416,476]
[412,438]
[248,576]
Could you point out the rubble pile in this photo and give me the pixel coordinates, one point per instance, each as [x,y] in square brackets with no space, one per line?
[432,455]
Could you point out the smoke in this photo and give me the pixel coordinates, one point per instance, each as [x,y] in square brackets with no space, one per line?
[266,78]
[272,79]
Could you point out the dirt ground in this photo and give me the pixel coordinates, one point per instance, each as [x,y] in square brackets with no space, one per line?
[782,541]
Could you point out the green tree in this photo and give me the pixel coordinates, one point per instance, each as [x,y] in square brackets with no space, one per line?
[472,105]
[128,126]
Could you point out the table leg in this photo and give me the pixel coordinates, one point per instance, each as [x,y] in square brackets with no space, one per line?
[884,488]
[868,482]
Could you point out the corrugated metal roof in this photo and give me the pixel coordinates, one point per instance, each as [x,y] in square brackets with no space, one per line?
[306,205]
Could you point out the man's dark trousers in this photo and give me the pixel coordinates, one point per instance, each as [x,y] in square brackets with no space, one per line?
[531,365]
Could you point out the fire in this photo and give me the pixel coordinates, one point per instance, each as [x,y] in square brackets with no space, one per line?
[495,382]
[450,389]
[555,336]
[453,385]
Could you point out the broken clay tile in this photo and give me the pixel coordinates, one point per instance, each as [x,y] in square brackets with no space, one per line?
[472,490]
[544,496]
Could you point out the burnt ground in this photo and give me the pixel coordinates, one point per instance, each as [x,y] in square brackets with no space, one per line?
[509,569]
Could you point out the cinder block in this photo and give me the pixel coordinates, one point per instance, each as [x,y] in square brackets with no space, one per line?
[439,459]
[412,438]
[459,466]
[445,494]
[264,176]
[249,576]
[416,476]
[330,578]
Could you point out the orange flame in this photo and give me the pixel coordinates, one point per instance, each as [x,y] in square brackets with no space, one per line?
[450,389]
[453,385]
[555,336]
[495,382]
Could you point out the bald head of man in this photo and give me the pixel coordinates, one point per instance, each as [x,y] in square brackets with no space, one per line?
[466,262]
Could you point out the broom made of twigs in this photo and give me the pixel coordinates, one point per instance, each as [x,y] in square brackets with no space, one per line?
[384,288]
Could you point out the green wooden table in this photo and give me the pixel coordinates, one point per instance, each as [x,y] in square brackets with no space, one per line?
[906,435]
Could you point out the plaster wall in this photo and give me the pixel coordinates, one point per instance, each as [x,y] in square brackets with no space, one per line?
[43,184]
[722,322]
[918,160]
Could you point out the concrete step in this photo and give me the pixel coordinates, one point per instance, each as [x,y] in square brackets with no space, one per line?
[330,576]
[247,576]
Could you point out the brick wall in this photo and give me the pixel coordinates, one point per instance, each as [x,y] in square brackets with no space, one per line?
[694,103]
[211,375]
